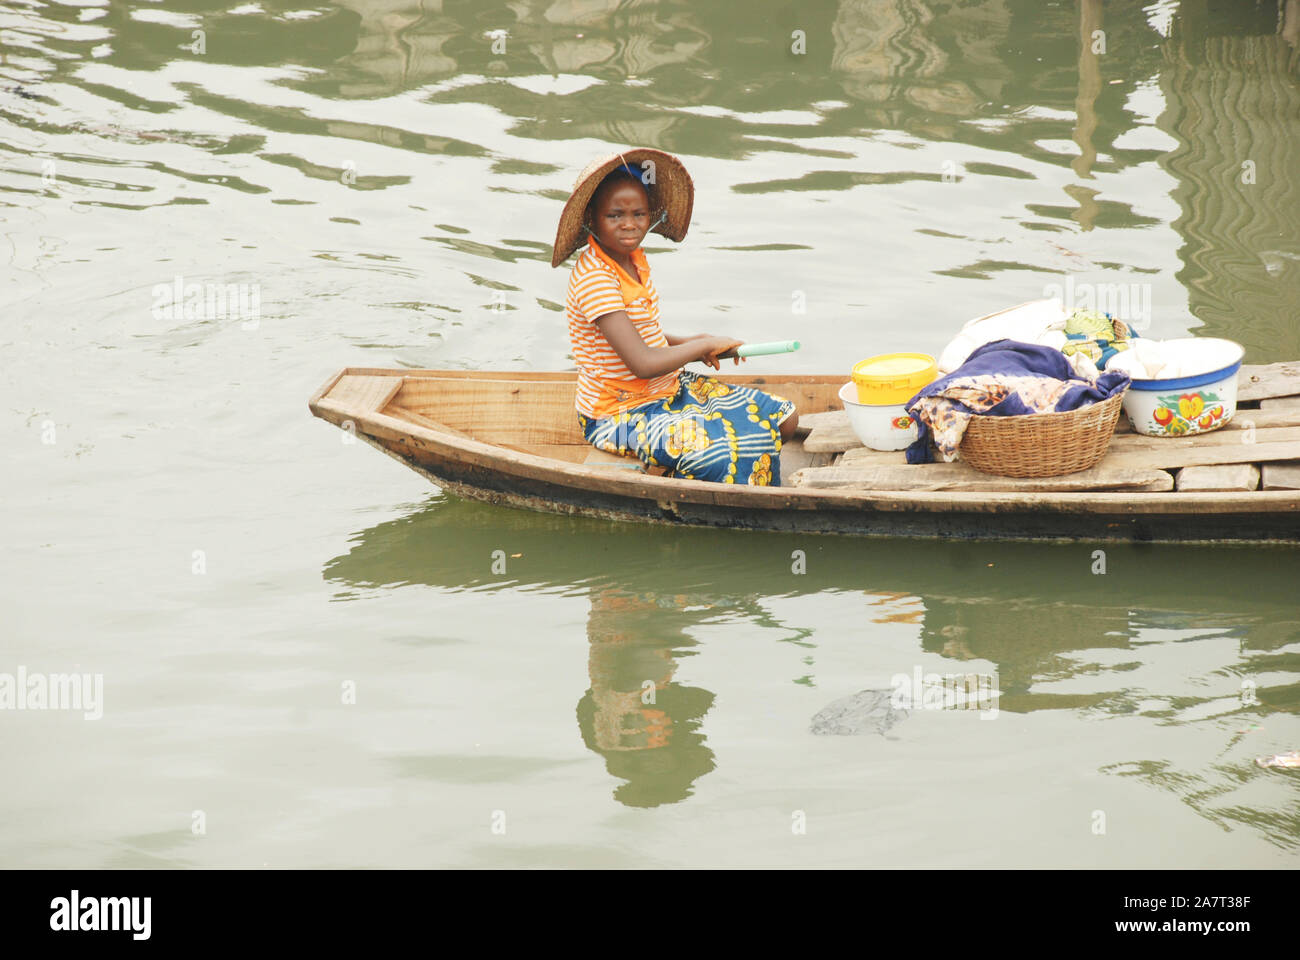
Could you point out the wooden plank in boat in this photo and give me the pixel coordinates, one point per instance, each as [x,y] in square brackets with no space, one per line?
[811,421]
[866,457]
[1218,478]
[1281,476]
[1201,456]
[496,411]
[410,416]
[795,457]
[835,436]
[363,394]
[1272,416]
[1281,405]
[963,477]
[1269,380]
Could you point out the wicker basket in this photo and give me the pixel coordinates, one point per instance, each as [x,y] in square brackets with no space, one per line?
[1041,444]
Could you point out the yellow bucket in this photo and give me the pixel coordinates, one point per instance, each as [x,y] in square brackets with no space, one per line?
[893,377]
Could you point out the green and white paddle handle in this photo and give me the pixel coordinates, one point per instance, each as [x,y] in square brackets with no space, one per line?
[766,349]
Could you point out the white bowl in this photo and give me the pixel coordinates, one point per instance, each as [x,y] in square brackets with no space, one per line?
[1186,405]
[887,427]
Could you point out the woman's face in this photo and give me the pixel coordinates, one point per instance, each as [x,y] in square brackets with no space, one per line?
[621,217]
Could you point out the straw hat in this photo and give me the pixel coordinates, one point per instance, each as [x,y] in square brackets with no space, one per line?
[672,194]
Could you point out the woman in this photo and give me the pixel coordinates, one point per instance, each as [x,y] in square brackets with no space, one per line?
[633,396]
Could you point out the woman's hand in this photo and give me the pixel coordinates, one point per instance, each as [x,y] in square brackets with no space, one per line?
[715,349]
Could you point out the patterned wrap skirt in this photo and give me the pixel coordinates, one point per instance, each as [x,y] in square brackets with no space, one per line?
[709,430]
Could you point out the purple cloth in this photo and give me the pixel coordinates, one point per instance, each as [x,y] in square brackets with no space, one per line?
[1013,358]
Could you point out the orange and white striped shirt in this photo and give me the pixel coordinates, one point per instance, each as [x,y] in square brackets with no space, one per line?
[598,286]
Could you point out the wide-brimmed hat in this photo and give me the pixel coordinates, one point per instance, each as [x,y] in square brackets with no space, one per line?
[672,195]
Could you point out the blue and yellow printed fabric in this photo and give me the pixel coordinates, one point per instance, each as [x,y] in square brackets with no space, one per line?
[708,430]
[1098,336]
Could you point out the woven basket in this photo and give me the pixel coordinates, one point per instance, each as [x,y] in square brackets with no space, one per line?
[1041,444]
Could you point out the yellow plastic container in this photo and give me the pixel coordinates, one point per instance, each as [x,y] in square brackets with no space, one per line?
[893,378]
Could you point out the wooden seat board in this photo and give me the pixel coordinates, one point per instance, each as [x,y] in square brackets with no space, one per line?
[364,394]
[962,476]
[1259,382]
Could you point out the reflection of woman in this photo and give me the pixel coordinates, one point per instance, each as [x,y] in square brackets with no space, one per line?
[643,724]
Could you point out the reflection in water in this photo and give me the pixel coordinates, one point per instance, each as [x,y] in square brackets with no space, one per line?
[1163,634]
[1232,94]
[645,725]
[409,43]
[1091,45]
[1009,76]
[941,57]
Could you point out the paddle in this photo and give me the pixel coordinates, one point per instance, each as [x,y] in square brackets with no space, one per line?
[766,349]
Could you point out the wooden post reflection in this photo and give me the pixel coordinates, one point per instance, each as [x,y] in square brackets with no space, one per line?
[1090,18]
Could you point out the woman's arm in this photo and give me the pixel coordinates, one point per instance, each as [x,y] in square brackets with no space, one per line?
[646,361]
[673,340]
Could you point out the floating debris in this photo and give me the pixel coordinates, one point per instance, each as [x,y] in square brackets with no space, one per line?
[1282,761]
[867,711]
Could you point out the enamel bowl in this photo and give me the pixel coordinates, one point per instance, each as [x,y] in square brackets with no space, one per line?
[880,427]
[1186,405]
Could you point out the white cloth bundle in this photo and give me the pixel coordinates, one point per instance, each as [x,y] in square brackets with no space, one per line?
[1171,359]
[1038,321]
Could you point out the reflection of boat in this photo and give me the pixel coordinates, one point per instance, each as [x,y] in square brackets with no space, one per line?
[512,438]
[1058,635]
[1037,612]
[1166,633]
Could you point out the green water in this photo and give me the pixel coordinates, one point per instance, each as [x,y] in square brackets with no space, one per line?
[308,656]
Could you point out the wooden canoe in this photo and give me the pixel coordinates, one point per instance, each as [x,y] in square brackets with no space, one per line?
[512,438]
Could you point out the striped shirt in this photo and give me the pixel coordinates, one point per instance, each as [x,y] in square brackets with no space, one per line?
[598,286]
